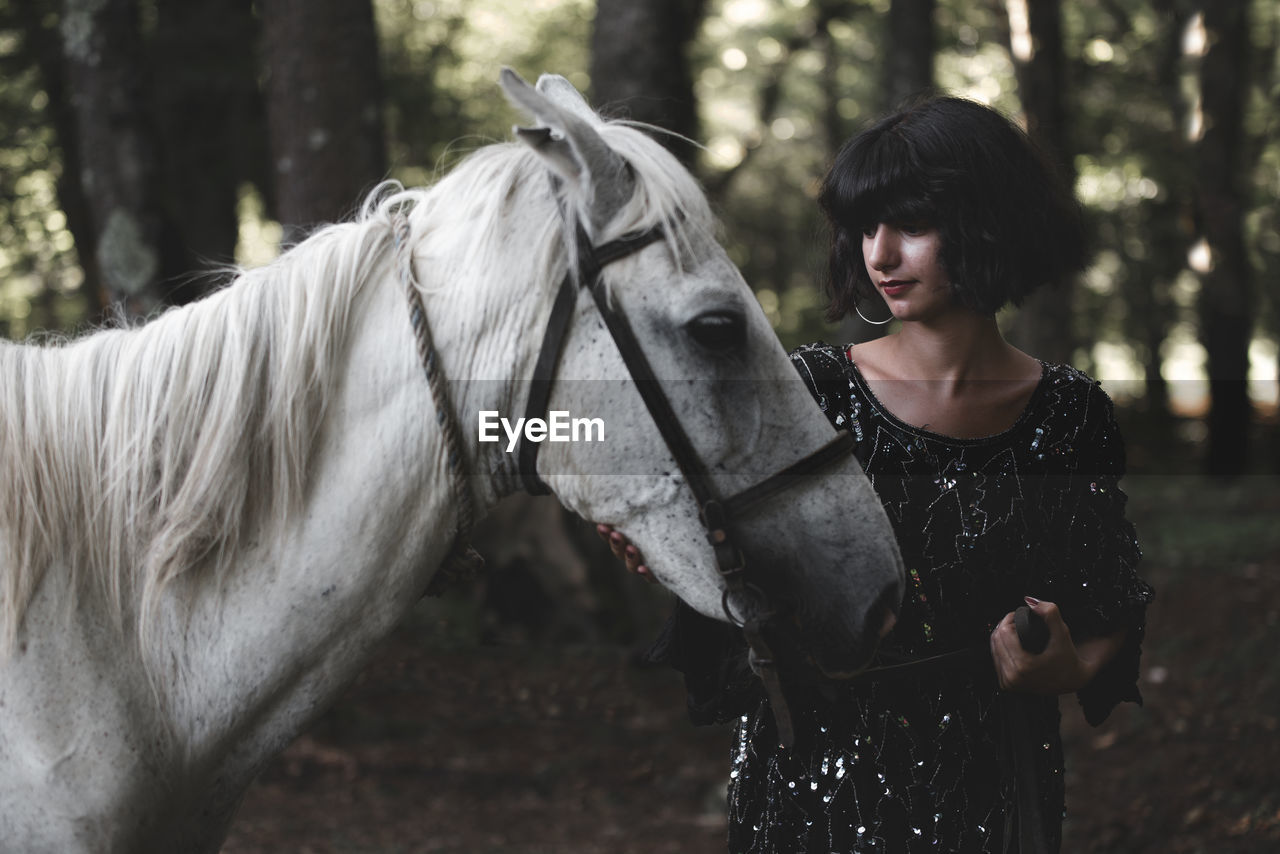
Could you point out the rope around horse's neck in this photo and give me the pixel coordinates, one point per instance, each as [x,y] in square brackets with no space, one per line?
[463,561]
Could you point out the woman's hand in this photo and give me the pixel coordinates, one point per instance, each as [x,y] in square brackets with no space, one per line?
[624,551]
[1064,667]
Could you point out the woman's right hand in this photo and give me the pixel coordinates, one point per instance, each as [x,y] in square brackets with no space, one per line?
[624,551]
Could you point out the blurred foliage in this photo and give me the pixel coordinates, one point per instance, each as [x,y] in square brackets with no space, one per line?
[39,271]
[780,83]
[1189,522]
[440,68]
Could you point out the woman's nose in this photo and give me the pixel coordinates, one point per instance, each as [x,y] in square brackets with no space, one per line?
[880,249]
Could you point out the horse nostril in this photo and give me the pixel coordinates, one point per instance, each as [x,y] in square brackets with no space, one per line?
[890,619]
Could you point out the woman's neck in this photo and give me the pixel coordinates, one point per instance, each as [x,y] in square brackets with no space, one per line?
[957,377]
[963,346]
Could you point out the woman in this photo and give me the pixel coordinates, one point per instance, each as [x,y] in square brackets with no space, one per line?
[999,474]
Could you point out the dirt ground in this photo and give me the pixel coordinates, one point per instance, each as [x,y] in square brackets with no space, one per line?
[578,750]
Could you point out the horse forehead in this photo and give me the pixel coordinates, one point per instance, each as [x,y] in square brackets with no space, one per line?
[691,261]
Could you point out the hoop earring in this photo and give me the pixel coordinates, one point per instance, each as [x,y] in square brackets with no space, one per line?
[872,322]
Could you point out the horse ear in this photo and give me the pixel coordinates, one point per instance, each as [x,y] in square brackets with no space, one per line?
[559,91]
[567,140]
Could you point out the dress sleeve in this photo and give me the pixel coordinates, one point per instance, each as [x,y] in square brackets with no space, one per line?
[1112,596]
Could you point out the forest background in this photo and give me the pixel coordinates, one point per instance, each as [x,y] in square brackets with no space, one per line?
[145,141]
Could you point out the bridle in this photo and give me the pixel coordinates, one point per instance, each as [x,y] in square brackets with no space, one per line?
[718,514]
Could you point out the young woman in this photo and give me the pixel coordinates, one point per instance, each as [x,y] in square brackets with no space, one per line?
[999,474]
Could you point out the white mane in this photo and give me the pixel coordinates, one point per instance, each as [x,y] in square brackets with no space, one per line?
[134,458]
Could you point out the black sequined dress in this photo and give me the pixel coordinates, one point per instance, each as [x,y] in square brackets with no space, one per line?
[916,764]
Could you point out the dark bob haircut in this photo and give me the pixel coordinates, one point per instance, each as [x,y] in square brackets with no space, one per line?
[1008,221]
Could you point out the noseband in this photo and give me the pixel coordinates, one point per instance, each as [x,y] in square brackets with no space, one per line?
[717,514]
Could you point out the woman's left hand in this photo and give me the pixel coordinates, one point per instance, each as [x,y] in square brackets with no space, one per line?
[1059,669]
[624,551]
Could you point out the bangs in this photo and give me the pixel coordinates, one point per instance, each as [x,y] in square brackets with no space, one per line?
[898,209]
[885,183]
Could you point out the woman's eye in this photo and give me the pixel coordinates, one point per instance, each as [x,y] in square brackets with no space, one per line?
[718,331]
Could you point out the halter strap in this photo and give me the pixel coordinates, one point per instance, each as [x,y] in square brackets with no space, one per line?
[591,263]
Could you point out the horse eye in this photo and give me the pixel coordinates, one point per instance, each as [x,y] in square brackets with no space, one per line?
[719,331]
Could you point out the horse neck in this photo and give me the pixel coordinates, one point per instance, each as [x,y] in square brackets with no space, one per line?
[303,606]
[486,328]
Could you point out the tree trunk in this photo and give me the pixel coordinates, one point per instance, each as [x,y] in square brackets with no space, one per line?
[44,44]
[908,66]
[1043,326]
[324,108]
[640,65]
[1226,295]
[205,93]
[118,165]
[1150,301]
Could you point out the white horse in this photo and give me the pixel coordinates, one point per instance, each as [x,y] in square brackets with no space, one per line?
[209,522]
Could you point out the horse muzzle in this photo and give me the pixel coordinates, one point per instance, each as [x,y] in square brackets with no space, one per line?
[809,652]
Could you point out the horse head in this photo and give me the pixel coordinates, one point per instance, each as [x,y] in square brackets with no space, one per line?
[818,571]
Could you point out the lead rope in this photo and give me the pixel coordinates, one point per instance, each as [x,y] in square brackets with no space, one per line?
[733,569]
[463,562]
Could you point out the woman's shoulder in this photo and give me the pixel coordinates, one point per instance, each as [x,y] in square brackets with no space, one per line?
[1074,392]
[820,364]
[1077,416]
[819,353]
[828,374]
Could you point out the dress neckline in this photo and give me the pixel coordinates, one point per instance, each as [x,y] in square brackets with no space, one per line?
[1018,422]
